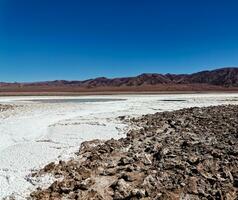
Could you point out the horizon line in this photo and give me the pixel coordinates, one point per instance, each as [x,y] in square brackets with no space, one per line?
[116,77]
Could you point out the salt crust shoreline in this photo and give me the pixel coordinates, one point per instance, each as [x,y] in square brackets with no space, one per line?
[185,154]
[35,134]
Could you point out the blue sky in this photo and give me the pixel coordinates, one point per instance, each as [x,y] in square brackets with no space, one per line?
[80,39]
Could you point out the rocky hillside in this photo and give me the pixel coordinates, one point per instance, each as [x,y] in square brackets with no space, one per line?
[186,154]
[225,77]
[222,77]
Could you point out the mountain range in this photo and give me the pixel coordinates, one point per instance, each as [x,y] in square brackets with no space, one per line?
[219,79]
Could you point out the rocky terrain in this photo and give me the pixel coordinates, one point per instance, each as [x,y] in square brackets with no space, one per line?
[185,154]
[225,79]
[6,107]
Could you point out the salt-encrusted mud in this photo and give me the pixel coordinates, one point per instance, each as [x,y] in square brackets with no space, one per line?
[186,154]
[6,107]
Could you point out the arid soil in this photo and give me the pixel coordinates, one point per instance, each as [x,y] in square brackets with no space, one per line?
[186,154]
[80,90]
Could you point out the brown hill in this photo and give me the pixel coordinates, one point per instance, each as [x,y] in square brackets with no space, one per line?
[219,79]
[225,77]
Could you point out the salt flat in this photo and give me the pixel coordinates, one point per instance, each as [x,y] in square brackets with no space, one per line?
[39,131]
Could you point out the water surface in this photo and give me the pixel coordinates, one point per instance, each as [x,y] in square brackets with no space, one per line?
[74,100]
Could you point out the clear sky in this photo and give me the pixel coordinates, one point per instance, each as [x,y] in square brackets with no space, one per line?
[80,39]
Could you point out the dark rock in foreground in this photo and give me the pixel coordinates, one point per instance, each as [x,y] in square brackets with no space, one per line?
[186,154]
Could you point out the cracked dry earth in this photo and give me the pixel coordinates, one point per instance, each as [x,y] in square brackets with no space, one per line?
[185,154]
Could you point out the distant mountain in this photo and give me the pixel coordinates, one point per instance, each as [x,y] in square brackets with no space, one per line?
[224,77]
[219,78]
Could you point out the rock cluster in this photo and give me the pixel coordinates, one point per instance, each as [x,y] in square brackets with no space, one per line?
[5,107]
[186,154]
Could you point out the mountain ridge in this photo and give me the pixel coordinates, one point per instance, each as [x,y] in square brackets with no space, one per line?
[223,77]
